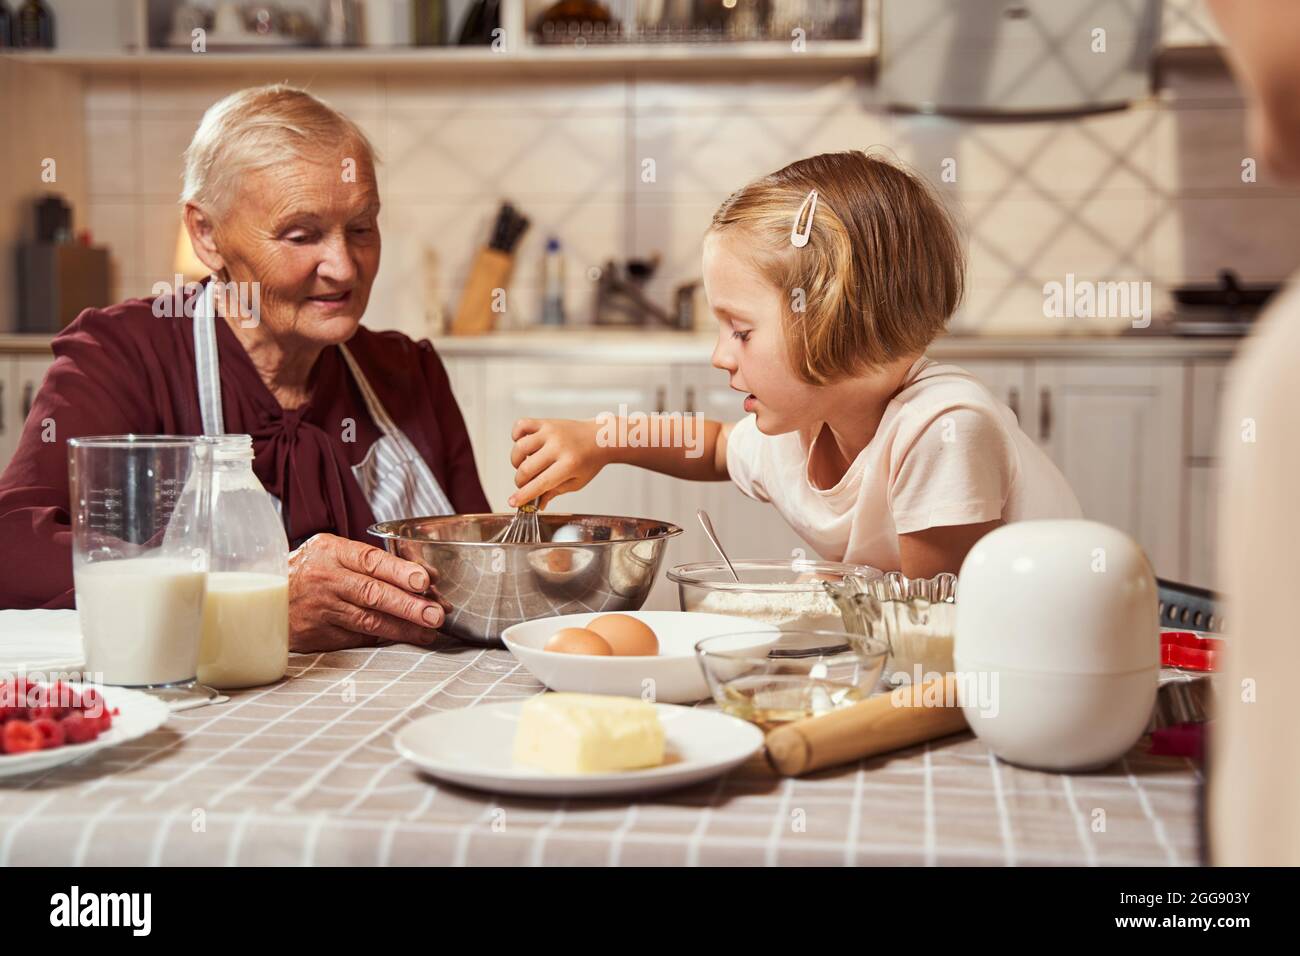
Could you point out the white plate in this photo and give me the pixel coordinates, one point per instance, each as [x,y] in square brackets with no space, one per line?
[140,715]
[473,747]
[674,676]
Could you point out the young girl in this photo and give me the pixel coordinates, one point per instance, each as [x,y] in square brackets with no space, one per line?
[829,278]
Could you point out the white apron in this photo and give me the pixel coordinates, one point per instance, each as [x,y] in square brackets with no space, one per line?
[396,481]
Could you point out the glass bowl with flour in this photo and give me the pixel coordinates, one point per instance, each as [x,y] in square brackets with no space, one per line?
[789,593]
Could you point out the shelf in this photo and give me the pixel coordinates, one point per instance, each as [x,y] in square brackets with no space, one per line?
[607,58]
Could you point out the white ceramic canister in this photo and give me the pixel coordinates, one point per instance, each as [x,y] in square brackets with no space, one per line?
[1057,644]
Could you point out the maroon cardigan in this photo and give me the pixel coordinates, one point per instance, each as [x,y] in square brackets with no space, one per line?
[122,369]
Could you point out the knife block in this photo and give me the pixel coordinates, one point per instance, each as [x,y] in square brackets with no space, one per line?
[56,281]
[489,272]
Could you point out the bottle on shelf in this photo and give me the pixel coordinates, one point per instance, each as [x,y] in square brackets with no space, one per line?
[429,23]
[553,288]
[33,27]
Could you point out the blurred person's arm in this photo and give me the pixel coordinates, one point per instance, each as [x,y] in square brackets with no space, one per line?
[1254,766]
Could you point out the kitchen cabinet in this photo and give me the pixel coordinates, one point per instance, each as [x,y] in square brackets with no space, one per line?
[29,374]
[1207,386]
[1115,429]
[20,378]
[1202,544]
[10,425]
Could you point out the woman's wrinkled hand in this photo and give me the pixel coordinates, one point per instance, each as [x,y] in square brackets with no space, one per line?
[343,593]
[553,456]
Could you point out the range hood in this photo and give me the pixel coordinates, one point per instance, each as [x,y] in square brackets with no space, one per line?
[996,57]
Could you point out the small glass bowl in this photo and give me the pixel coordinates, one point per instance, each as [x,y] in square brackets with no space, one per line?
[771,678]
[914,616]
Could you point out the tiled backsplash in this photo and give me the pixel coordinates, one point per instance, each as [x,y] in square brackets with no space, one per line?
[1152,193]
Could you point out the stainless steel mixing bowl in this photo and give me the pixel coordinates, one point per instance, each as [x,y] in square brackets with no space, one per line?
[583,563]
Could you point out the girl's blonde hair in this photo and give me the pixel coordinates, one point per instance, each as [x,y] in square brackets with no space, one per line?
[259,127]
[882,271]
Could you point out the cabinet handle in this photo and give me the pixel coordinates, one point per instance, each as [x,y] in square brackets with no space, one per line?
[29,395]
[1044,414]
[690,400]
[661,400]
[1013,400]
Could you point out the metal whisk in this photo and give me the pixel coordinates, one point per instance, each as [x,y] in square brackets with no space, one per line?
[523,528]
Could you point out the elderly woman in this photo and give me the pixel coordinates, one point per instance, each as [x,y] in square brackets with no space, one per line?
[349,426]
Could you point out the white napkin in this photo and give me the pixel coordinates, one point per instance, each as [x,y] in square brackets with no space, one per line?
[47,642]
[40,641]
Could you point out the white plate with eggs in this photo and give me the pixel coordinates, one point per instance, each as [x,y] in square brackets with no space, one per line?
[474,747]
[672,675]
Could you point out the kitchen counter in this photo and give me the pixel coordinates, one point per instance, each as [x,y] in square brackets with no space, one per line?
[304,772]
[689,348]
[655,347]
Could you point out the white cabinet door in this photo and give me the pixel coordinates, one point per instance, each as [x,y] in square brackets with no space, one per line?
[31,371]
[1202,547]
[1207,383]
[747,528]
[467,385]
[1116,431]
[11,423]
[20,379]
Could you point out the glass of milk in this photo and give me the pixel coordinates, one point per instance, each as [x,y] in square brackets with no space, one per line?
[246,610]
[141,508]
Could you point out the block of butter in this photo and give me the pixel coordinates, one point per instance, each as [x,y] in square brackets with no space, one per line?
[588,733]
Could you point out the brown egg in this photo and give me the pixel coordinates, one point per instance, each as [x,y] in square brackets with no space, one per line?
[578,640]
[627,636]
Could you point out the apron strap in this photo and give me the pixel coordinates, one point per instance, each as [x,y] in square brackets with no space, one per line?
[205,362]
[425,496]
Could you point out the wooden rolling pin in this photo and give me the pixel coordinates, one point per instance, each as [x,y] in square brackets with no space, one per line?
[875,726]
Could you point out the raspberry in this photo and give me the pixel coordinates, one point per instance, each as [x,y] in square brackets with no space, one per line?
[106,719]
[51,733]
[20,737]
[13,693]
[78,730]
[92,704]
[41,703]
[64,699]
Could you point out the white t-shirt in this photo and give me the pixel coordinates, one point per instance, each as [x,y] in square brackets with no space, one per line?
[946,452]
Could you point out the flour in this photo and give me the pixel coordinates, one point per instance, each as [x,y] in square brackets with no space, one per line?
[788,610]
[923,646]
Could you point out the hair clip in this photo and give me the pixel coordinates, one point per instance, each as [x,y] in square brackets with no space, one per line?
[800,239]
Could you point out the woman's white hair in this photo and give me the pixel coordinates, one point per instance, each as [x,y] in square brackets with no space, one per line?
[257,128]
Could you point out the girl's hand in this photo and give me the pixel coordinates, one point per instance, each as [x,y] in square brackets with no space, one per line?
[552,456]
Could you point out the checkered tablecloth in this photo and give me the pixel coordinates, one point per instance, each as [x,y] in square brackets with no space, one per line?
[304,772]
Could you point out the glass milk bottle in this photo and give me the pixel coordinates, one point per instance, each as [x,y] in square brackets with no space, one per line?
[246,611]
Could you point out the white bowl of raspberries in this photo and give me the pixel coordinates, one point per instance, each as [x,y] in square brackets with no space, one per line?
[45,724]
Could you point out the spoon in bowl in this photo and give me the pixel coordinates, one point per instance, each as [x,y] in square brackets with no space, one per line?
[713,537]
